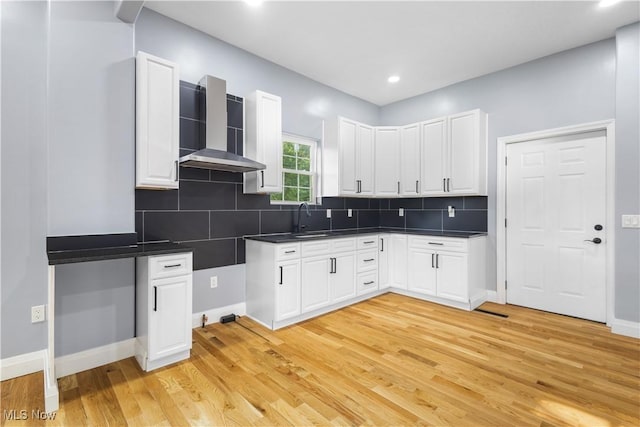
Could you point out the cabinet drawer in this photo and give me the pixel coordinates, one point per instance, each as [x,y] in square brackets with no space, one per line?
[321,247]
[343,245]
[438,243]
[367,282]
[367,260]
[170,265]
[288,251]
[368,242]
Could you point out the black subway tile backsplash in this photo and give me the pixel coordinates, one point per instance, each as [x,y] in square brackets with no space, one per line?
[210,213]
[177,226]
[198,195]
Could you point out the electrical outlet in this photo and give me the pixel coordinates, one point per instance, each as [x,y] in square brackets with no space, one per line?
[401,212]
[328,213]
[213,281]
[452,211]
[349,213]
[37,314]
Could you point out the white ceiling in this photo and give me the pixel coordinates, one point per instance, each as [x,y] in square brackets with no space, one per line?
[354,46]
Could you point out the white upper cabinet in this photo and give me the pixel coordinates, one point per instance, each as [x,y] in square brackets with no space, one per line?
[356,157]
[410,160]
[387,161]
[454,155]
[157,122]
[263,143]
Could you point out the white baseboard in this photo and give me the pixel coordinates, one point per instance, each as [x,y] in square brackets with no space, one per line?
[214,314]
[22,364]
[625,327]
[94,357]
[492,296]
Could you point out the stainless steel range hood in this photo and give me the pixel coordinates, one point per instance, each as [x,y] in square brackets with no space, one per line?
[215,155]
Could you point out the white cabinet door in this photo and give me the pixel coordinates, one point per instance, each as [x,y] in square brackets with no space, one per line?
[410,160]
[288,290]
[157,122]
[343,278]
[398,262]
[451,271]
[170,316]
[315,283]
[387,161]
[263,142]
[434,156]
[384,245]
[422,271]
[464,153]
[348,146]
[365,158]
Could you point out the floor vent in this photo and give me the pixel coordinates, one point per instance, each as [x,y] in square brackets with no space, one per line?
[493,313]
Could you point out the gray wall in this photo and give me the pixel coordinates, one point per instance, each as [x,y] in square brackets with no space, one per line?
[577,86]
[23,282]
[304,101]
[91,109]
[627,304]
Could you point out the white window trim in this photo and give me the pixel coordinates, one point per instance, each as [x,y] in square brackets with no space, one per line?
[313,143]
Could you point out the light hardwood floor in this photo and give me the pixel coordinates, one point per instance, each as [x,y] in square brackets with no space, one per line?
[391,360]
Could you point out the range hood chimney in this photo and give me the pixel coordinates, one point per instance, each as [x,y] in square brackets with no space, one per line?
[215,155]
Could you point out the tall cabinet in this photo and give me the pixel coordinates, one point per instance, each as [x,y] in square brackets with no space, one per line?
[157,122]
[263,142]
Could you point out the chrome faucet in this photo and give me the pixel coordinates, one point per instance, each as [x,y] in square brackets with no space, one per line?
[297,228]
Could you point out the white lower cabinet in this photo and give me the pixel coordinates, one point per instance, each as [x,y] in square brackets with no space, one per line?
[288,290]
[163,309]
[313,277]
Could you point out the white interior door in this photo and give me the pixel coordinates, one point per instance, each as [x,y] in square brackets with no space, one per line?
[556,209]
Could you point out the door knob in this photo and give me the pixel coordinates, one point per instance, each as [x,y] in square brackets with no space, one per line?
[595,240]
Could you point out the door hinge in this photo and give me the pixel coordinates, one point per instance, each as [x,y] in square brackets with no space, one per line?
[505,284]
[505,223]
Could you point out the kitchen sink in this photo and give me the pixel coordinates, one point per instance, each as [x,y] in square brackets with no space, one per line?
[309,236]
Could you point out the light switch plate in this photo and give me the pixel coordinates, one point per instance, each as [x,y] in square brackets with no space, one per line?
[452,211]
[401,212]
[328,213]
[349,213]
[630,221]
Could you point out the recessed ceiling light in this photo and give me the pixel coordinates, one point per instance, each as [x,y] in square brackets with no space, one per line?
[253,3]
[393,79]
[607,3]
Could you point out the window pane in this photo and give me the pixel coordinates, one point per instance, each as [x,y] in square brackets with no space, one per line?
[291,179]
[305,181]
[290,194]
[304,151]
[276,197]
[305,195]
[288,148]
[288,162]
[303,164]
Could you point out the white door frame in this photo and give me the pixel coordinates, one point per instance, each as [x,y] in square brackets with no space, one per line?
[501,243]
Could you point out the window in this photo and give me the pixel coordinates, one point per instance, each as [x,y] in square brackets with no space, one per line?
[298,170]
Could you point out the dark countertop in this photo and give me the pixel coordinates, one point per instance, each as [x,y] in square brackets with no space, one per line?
[290,237]
[72,249]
